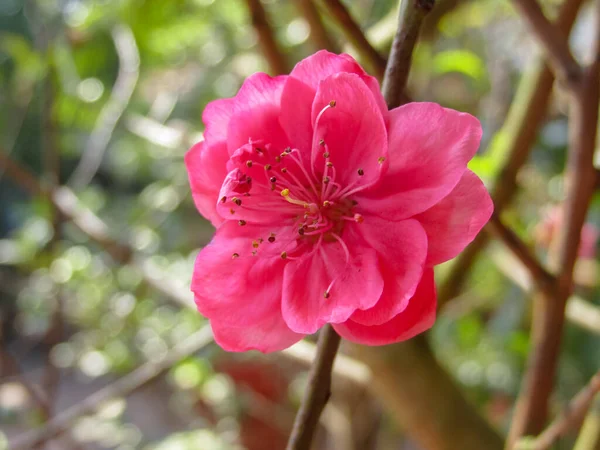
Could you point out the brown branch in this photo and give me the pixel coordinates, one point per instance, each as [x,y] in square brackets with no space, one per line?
[521,127]
[318,33]
[424,399]
[570,417]
[317,393]
[542,278]
[589,436]
[129,63]
[412,13]
[355,35]
[266,38]
[555,45]
[123,386]
[549,310]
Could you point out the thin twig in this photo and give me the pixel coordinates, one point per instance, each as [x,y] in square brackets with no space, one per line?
[318,33]
[412,13]
[569,418]
[526,115]
[549,310]
[123,386]
[589,436]
[317,393]
[266,38]
[355,35]
[542,278]
[129,63]
[555,45]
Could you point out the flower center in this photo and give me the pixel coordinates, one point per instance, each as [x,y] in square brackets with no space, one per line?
[309,198]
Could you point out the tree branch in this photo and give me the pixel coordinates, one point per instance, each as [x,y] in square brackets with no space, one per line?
[424,399]
[520,129]
[412,13]
[542,278]
[317,393]
[318,33]
[266,37]
[355,35]
[589,436]
[123,386]
[549,310]
[572,415]
[555,45]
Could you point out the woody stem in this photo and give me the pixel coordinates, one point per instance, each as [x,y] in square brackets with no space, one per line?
[317,392]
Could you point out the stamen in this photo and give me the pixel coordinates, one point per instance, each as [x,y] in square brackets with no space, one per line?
[267,166]
[283,255]
[235,255]
[381,159]
[249,163]
[231,211]
[237,201]
[241,223]
[255,244]
[332,103]
[361,172]
[271,239]
[273,180]
[321,142]
[223,199]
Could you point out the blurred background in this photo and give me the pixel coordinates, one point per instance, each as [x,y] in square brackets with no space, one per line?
[99,345]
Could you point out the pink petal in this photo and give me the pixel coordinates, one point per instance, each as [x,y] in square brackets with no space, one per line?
[268,334]
[418,317]
[256,113]
[455,221]
[402,249]
[206,170]
[237,289]
[301,87]
[353,131]
[358,285]
[429,148]
[241,293]
[216,116]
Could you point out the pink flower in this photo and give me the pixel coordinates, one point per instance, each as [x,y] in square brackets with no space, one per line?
[329,208]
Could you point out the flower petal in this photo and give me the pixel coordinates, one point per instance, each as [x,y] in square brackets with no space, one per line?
[455,221]
[357,285]
[418,316]
[353,131]
[232,286]
[301,87]
[429,148]
[256,113]
[268,334]
[402,249]
[206,170]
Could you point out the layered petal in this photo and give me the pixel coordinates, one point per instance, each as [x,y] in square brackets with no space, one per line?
[350,128]
[402,250]
[429,148]
[352,284]
[455,221]
[301,88]
[266,334]
[256,113]
[206,170]
[230,284]
[417,317]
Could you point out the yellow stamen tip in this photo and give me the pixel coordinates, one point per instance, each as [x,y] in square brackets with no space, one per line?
[285,192]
